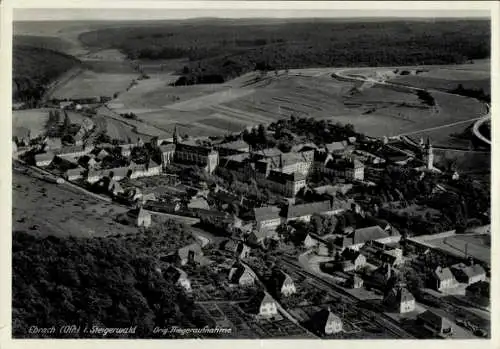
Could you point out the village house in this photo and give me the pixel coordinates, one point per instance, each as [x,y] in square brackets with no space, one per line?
[324,322]
[338,148]
[240,249]
[309,242]
[284,284]
[468,274]
[262,305]
[479,293]
[304,212]
[436,324]
[292,162]
[52,143]
[360,237]
[43,159]
[354,281]
[145,170]
[74,173]
[267,218]
[259,237]
[393,257]
[179,277]
[191,253]
[355,257]
[140,217]
[75,151]
[444,279]
[400,299]
[242,276]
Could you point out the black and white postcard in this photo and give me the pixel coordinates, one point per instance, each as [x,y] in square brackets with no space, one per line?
[252,171]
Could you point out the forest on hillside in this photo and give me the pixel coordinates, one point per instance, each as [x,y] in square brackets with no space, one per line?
[34,68]
[108,282]
[218,51]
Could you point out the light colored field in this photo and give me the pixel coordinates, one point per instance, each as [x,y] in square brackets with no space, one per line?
[60,211]
[35,119]
[215,98]
[32,119]
[252,99]
[90,84]
[476,246]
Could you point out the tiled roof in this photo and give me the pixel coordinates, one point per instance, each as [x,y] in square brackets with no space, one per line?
[236,145]
[400,295]
[183,252]
[482,288]
[308,209]
[167,147]
[75,171]
[470,271]
[350,254]
[283,278]
[370,233]
[266,213]
[323,317]
[443,273]
[44,156]
[262,297]
[336,146]
[192,148]
[431,317]
[281,177]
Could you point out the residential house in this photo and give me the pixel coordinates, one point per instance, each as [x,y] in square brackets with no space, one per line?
[360,237]
[354,281]
[393,257]
[324,322]
[262,305]
[74,151]
[468,274]
[145,170]
[191,253]
[333,190]
[479,293]
[52,143]
[242,276]
[304,212]
[284,284]
[400,299]
[43,159]
[74,173]
[240,249]
[357,259]
[179,277]
[267,218]
[140,217]
[259,237]
[436,324]
[309,242]
[444,279]
[101,154]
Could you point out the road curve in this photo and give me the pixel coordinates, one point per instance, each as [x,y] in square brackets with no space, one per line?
[478,124]
[482,119]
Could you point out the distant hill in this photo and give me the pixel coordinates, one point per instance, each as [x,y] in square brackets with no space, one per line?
[34,68]
[219,50]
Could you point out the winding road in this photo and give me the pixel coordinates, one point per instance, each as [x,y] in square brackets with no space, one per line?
[480,120]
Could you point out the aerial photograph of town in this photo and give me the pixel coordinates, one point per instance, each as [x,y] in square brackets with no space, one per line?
[230,175]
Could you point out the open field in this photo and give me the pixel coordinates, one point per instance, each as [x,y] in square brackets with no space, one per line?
[478,246]
[60,211]
[89,84]
[34,120]
[250,100]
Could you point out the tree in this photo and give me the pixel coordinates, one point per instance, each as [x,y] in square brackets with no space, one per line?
[66,123]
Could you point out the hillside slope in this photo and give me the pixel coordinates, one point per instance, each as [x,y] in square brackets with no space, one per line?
[34,68]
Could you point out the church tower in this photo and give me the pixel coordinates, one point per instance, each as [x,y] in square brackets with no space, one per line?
[429,155]
[175,136]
